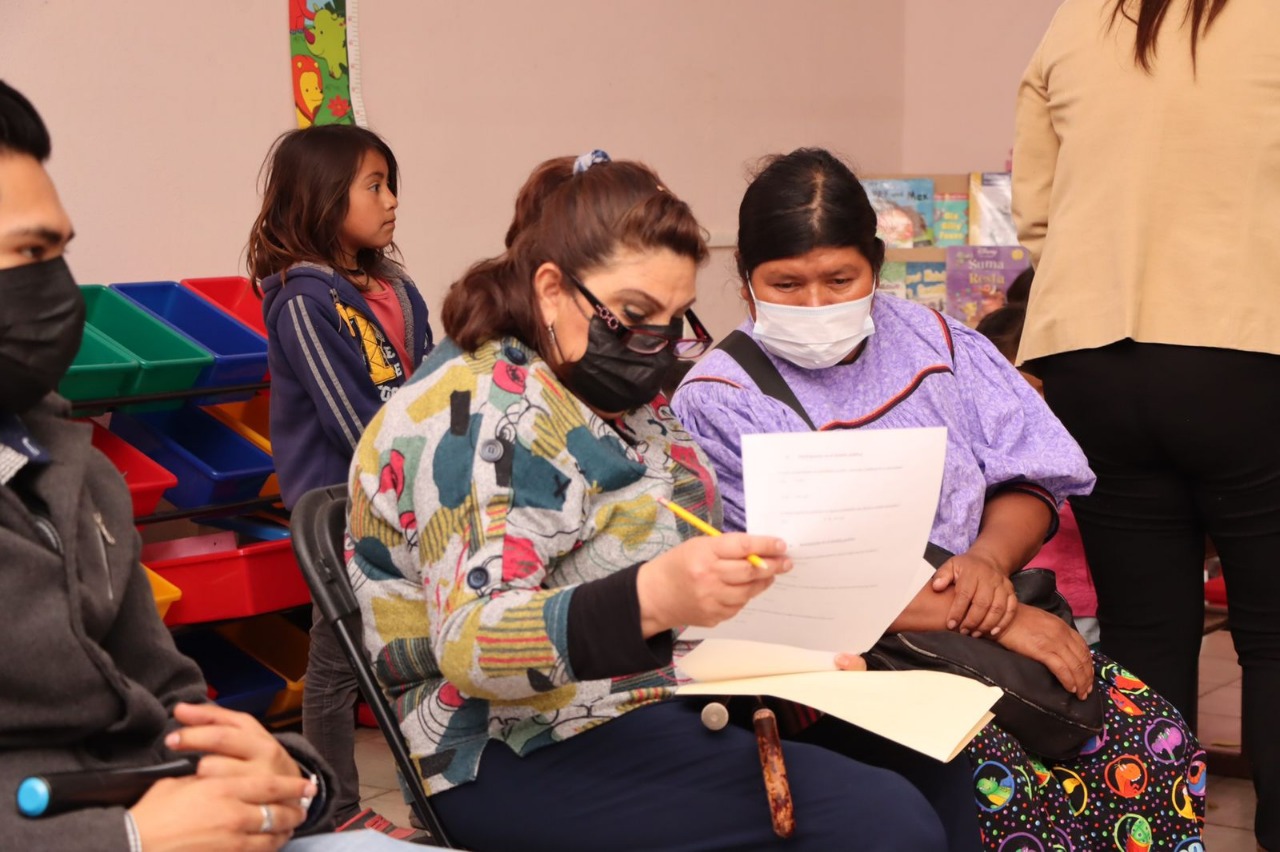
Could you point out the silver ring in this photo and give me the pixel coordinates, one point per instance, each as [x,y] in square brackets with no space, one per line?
[268,823]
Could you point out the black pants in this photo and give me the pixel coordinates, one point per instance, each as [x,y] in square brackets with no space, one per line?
[328,713]
[1185,442]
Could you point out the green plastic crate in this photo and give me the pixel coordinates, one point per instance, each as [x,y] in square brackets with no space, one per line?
[167,360]
[101,369]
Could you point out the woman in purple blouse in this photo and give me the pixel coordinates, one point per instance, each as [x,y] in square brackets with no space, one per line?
[809,261]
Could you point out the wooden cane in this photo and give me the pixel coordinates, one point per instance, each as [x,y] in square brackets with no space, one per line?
[781,807]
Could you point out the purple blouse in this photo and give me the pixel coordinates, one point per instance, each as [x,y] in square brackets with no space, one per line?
[918,369]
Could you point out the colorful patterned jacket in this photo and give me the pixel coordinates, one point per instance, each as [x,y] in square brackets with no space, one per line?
[496,528]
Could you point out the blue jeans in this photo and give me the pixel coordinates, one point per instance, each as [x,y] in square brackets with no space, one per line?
[351,841]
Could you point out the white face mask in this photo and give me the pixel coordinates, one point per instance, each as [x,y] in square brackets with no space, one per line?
[813,338]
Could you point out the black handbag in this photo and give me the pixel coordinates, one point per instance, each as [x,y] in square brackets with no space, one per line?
[1035,709]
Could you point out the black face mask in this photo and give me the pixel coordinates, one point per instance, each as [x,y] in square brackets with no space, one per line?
[41,322]
[610,377]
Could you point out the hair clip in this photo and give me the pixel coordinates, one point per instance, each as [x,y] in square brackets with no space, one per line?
[589,159]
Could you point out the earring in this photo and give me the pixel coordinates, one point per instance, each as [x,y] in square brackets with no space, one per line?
[551,332]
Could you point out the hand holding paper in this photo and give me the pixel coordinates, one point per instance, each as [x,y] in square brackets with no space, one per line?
[705,581]
[855,508]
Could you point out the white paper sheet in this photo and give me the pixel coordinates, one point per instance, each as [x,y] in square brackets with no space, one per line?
[855,508]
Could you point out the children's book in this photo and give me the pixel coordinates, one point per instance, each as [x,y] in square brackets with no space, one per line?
[991,210]
[978,276]
[855,508]
[951,219]
[927,283]
[904,211]
[893,279]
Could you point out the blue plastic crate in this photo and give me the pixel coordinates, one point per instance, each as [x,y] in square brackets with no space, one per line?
[239,352]
[213,464]
[239,681]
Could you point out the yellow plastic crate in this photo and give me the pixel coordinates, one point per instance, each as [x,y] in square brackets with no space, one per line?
[165,592]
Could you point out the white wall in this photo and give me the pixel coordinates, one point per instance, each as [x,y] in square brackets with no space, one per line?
[162,110]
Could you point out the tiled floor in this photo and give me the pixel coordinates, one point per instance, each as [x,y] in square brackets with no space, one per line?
[1229,824]
[1229,821]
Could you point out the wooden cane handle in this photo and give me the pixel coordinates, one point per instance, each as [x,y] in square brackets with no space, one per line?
[781,808]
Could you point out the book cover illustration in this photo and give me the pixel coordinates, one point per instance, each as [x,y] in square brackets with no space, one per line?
[979,276]
[951,219]
[991,210]
[904,211]
[927,284]
[893,279]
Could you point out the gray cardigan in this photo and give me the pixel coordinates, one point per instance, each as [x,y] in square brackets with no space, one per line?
[88,673]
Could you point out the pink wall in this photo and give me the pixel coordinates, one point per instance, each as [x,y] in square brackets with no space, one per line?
[961,68]
[161,113]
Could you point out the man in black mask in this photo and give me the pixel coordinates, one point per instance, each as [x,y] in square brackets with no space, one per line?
[89,676]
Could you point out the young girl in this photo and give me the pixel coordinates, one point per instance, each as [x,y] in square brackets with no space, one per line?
[346,327]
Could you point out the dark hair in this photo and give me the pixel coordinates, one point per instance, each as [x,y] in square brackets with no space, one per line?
[1019,292]
[801,201]
[21,129]
[576,222]
[1003,327]
[305,198]
[1151,15]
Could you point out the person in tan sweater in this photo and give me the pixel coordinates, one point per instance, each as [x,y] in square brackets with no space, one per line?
[1146,184]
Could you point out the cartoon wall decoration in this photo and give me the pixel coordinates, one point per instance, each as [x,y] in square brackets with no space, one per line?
[323,48]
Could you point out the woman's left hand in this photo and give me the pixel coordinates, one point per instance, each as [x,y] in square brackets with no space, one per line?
[851,663]
[233,744]
[984,600]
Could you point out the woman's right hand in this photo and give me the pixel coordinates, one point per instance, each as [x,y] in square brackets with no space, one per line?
[193,814]
[1047,639]
[706,580]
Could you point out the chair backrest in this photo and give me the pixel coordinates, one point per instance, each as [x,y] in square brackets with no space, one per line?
[319,522]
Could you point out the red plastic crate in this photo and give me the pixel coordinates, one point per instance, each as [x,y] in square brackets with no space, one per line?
[234,295]
[227,581]
[1215,591]
[146,479]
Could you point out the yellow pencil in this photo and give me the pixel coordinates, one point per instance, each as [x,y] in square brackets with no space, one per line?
[705,528]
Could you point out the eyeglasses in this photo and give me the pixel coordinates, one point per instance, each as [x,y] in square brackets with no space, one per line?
[650,342]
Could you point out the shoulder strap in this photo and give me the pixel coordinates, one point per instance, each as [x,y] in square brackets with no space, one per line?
[746,352]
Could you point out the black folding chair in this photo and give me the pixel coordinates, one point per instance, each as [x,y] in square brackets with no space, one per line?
[319,520]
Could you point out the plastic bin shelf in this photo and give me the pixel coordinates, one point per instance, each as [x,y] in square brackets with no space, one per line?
[233,295]
[250,420]
[101,369]
[213,464]
[220,580]
[239,353]
[282,647]
[167,361]
[146,479]
[238,681]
